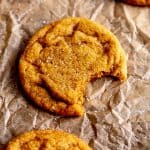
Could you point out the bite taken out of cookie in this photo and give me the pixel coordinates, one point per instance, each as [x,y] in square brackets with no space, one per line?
[62,57]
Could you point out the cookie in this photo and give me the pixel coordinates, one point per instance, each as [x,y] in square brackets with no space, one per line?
[47,140]
[138,2]
[60,60]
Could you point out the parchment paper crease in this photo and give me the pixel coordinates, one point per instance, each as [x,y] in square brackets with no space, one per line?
[117,115]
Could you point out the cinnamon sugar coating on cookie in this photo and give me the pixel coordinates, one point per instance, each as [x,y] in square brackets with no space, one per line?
[47,140]
[63,57]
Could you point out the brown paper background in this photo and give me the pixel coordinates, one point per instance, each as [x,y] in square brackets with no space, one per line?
[117,115]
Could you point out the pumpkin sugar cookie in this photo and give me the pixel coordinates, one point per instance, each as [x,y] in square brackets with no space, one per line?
[138,2]
[47,140]
[60,60]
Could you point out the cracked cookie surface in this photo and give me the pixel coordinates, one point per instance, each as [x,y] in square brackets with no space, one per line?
[60,60]
[47,140]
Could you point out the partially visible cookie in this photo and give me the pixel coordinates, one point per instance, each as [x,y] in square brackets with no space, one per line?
[60,60]
[138,2]
[47,140]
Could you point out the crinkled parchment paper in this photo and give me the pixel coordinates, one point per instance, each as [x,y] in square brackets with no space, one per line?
[117,115]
